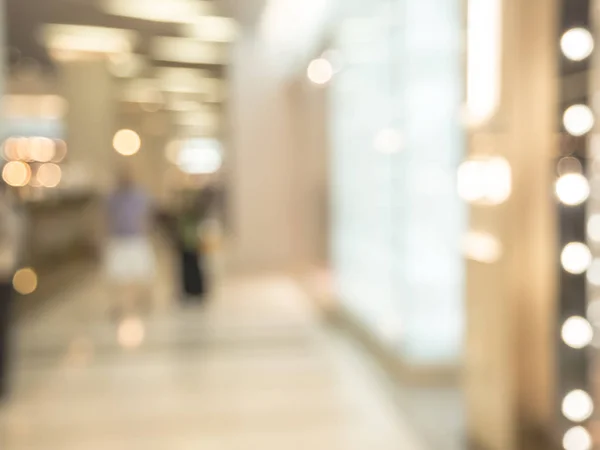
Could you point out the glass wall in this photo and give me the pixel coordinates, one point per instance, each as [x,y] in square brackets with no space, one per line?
[397,141]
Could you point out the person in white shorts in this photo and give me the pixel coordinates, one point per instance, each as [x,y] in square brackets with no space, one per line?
[129,259]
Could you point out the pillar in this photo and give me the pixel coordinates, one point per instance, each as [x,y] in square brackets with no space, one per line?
[260,206]
[511,303]
[88,87]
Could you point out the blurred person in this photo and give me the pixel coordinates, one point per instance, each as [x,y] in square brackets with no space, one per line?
[195,209]
[10,255]
[130,260]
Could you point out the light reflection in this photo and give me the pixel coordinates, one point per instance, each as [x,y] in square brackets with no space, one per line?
[577,438]
[578,120]
[320,71]
[16,173]
[577,332]
[577,44]
[131,333]
[485,181]
[482,247]
[127,142]
[572,189]
[49,175]
[577,406]
[25,281]
[576,258]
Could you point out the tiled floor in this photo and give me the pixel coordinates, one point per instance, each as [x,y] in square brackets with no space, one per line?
[252,370]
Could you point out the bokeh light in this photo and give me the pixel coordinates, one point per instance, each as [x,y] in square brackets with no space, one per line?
[320,71]
[577,44]
[485,181]
[131,333]
[568,165]
[49,175]
[576,258]
[10,149]
[577,406]
[16,173]
[42,149]
[482,247]
[25,281]
[127,142]
[572,189]
[578,120]
[577,438]
[60,151]
[577,332]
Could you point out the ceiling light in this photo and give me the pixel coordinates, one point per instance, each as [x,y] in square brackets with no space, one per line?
[79,38]
[212,29]
[171,11]
[190,51]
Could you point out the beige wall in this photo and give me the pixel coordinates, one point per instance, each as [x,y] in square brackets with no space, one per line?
[260,164]
[511,305]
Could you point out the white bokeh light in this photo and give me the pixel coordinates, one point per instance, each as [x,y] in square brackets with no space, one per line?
[127,142]
[578,120]
[576,258]
[577,438]
[572,189]
[485,181]
[577,406]
[577,332]
[320,71]
[577,44]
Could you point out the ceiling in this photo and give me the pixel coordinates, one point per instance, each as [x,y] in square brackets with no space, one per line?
[25,18]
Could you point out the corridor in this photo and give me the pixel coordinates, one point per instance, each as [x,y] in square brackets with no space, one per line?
[255,369]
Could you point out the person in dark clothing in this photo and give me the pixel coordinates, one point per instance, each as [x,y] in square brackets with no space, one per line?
[10,251]
[193,273]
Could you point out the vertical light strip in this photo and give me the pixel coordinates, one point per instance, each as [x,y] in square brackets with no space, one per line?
[484,34]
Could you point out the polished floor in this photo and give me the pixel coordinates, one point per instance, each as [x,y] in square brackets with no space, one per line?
[254,369]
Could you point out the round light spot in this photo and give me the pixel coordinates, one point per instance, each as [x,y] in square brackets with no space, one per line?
[576,258]
[577,406]
[485,181]
[577,438]
[16,173]
[49,175]
[25,281]
[127,142]
[42,149]
[578,120]
[131,333]
[320,71]
[569,165]
[60,151]
[577,44]
[572,189]
[577,332]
